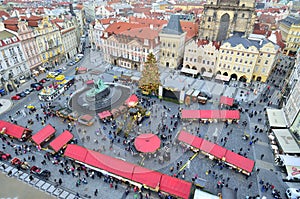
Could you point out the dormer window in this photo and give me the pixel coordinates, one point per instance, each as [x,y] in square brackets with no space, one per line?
[146,42]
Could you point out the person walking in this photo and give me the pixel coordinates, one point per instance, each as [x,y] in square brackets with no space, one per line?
[262,156]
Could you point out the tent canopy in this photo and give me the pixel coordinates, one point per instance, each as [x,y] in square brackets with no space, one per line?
[132,101]
[190,114]
[276,118]
[43,134]
[104,114]
[147,143]
[146,176]
[286,141]
[76,152]
[190,139]
[239,161]
[210,114]
[61,140]
[226,100]
[13,130]
[175,186]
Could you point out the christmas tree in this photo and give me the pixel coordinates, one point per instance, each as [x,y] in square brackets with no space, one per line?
[150,79]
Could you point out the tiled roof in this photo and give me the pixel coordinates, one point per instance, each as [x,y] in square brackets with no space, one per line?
[190,28]
[110,9]
[119,27]
[148,21]
[107,21]
[290,20]
[264,18]
[34,18]
[143,33]
[173,26]
[79,7]
[141,10]
[236,40]
[11,21]
[3,13]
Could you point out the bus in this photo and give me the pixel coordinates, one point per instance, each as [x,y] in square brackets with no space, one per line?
[50,93]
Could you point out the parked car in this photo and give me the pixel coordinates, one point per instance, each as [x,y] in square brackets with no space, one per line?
[40,172]
[4,156]
[38,88]
[28,90]
[71,63]
[59,71]
[35,85]
[25,165]
[44,80]
[21,94]
[292,193]
[16,161]
[52,74]
[15,97]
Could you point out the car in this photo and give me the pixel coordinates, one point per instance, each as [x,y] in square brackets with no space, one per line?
[292,193]
[28,90]
[44,80]
[21,94]
[16,161]
[39,172]
[38,88]
[35,85]
[25,165]
[52,74]
[59,71]
[15,97]
[4,156]
[71,63]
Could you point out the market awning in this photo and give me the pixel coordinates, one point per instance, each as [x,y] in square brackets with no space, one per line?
[89,82]
[190,139]
[230,114]
[276,118]
[226,100]
[13,130]
[218,151]
[61,140]
[82,69]
[207,146]
[132,101]
[109,164]
[147,143]
[175,186]
[104,114]
[222,78]
[43,134]
[286,141]
[239,161]
[190,114]
[76,152]
[146,176]
[207,74]
[189,71]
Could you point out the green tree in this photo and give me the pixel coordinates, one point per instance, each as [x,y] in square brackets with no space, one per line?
[150,79]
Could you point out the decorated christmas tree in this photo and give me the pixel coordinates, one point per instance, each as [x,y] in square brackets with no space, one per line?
[150,79]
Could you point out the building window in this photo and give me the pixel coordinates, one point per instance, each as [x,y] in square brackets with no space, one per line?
[207,62]
[266,62]
[236,59]
[248,70]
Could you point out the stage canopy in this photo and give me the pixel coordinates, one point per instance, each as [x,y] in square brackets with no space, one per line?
[61,140]
[43,134]
[147,143]
[226,100]
[13,130]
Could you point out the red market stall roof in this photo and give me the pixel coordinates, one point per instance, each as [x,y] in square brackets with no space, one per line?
[76,152]
[13,130]
[190,139]
[43,134]
[218,151]
[147,143]
[175,186]
[226,100]
[132,100]
[89,82]
[210,114]
[146,176]
[239,161]
[82,68]
[104,114]
[110,164]
[190,114]
[61,140]
[207,146]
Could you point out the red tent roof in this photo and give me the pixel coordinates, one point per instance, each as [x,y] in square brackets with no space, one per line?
[226,100]
[205,114]
[132,100]
[61,140]
[13,130]
[147,143]
[104,114]
[146,176]
[76,152]
[43,134]
[110,164]
[190,139]
[232,114]
[239,161]
[89,82]
[207,146]
[175,186]
[190,114]
[218,151]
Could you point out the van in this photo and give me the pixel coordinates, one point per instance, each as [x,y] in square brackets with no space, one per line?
[292,193]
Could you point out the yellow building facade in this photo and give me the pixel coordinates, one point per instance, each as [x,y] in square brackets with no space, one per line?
[290,31]
[246,60]
[49,42]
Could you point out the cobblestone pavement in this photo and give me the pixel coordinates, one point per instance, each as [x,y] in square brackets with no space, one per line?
[162,112]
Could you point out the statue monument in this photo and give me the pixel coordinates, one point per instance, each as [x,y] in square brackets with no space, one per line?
[98,92]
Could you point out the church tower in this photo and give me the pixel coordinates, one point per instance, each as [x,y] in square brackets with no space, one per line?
[222,18]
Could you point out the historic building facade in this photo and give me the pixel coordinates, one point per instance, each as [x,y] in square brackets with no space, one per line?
[172,40]
[200,56]
[247,59]
[223,18]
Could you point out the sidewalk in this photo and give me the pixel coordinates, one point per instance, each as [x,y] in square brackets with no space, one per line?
[6,105]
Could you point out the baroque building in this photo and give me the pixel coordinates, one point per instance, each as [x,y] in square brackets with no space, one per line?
[223,18]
